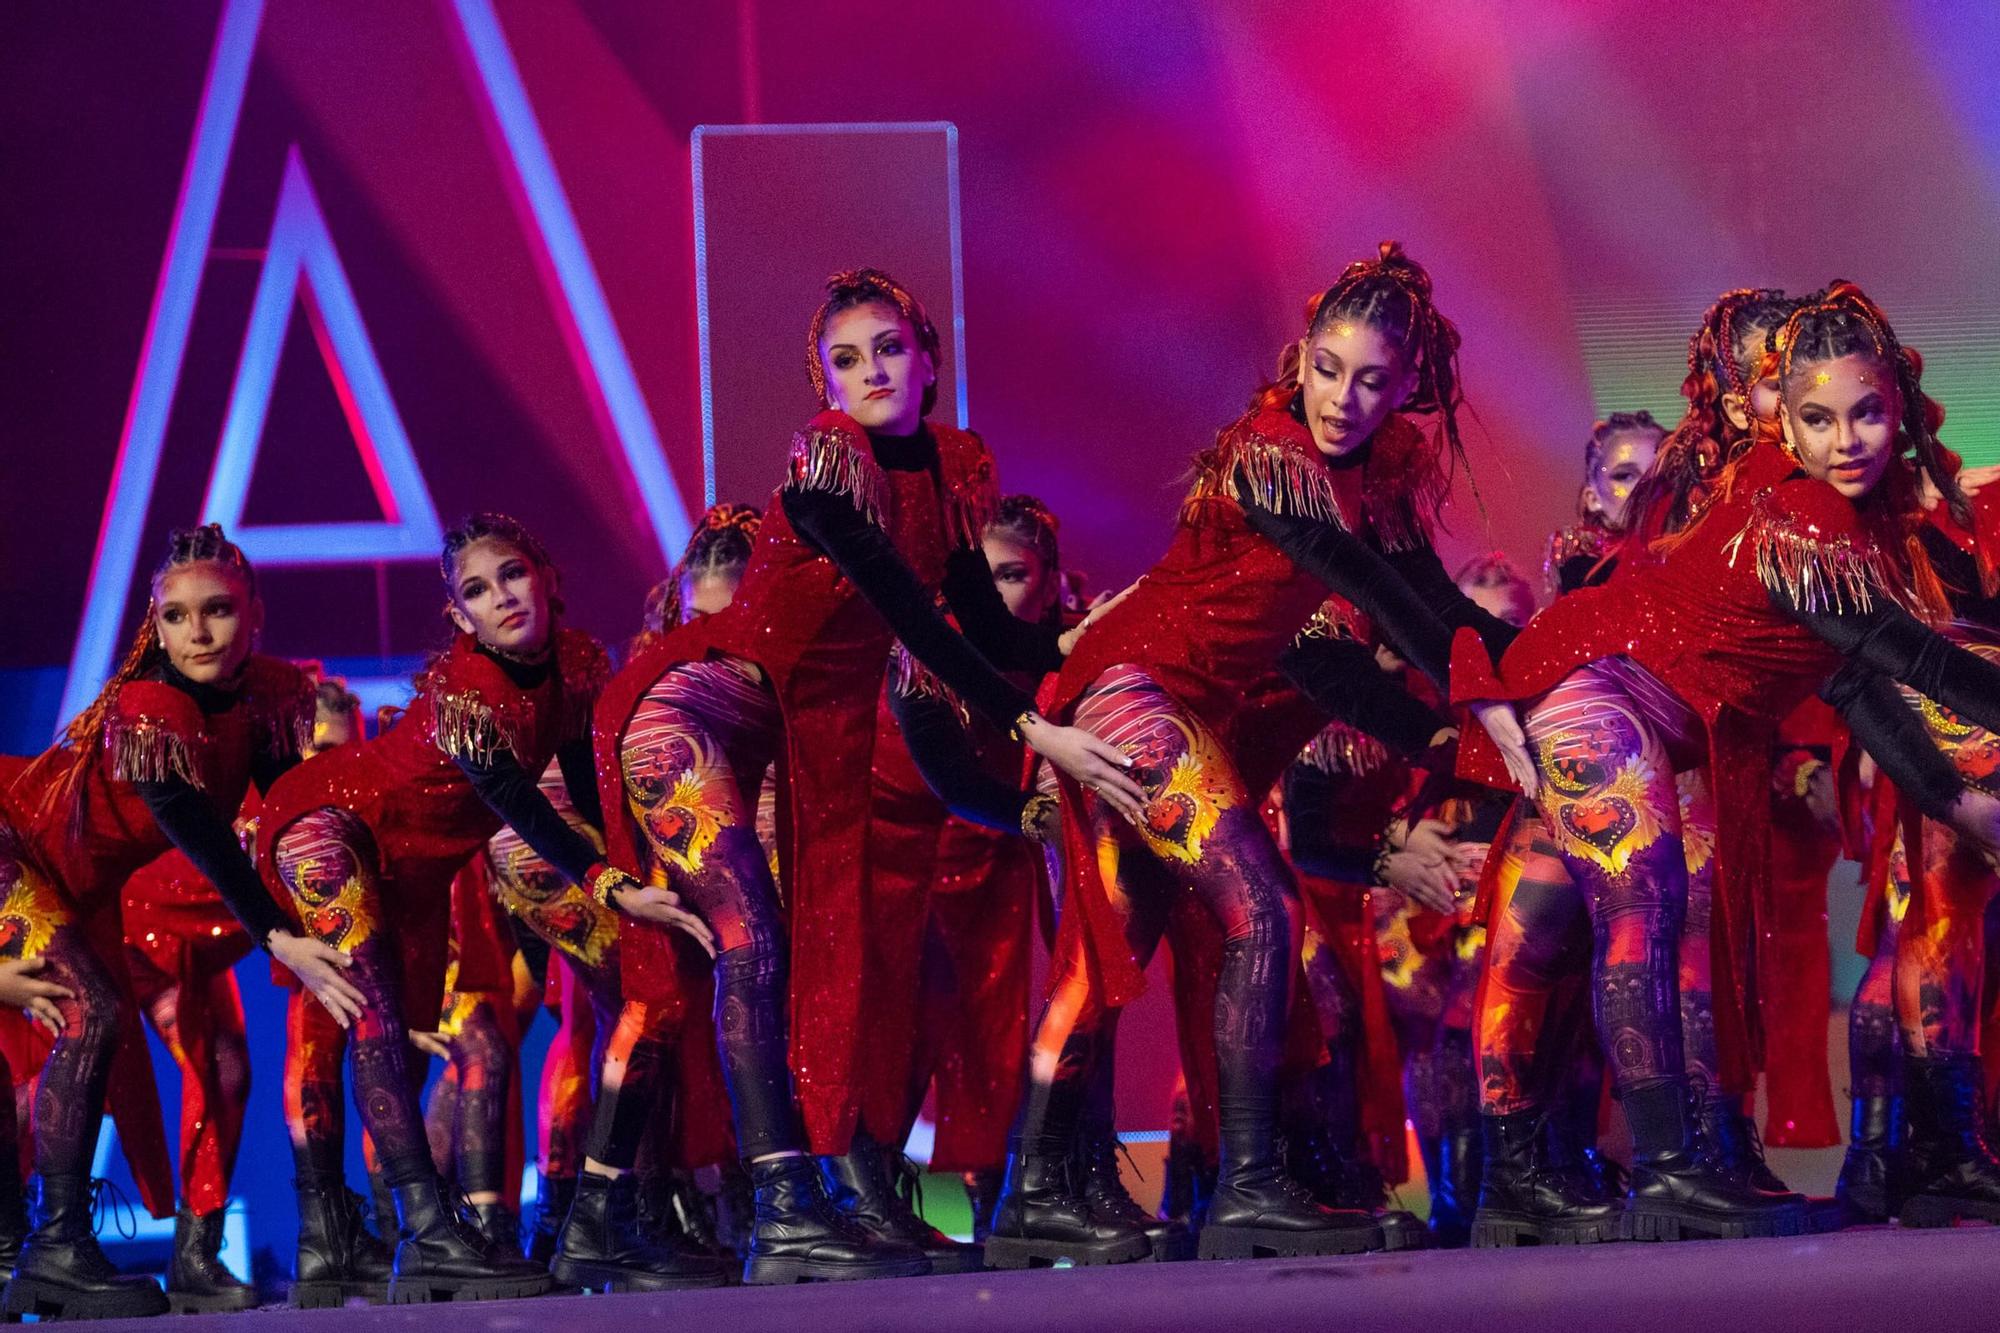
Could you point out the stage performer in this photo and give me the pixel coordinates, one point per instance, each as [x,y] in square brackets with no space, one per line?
[878,509]
[1321,487]
[364,842]
[161,759]
[1618,454]
[1796,562]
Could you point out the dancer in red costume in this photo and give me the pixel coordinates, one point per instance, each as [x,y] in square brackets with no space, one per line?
[160,760]
[1321,487]
[1616,457]
[630,1217]
[364,842]
[1792,566]
[954,901]
[878,510]
[182,944]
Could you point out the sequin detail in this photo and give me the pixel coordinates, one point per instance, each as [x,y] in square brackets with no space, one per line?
[836,460]
[1817,570]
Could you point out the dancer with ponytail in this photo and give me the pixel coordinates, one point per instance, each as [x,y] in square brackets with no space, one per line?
[161,759]
[878,510]
[1793,562]
[650,1065]
[363,844]
[1322,487]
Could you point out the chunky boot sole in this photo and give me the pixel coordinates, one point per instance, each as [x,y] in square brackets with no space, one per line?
[1029,1252]
[1666,1221]
[321,1295]
[51,1300]
[777,1271]
[958,1259]
[423,1289]
[577,1273]
[1494,1229]
[221,1302]
[1174,1249]
[1942,1210]
[1402,1231]
[1224,1242]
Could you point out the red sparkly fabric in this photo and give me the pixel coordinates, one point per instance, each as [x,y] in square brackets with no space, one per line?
[155,731]
[406,785]
[974,889]
[825,652]
[1701,621]
[1211,619]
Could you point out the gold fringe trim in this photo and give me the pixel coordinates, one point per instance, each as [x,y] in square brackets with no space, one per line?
[832,461]
[1342,749]
[1281,479]
[469,728]
[911,679]
[145,749]
[287,725]
[1334,619]
[1566,545]
[1817,571]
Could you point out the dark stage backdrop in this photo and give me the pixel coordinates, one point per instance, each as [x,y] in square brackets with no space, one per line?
[492,205]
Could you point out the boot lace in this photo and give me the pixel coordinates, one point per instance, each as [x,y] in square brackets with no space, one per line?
[108,1200]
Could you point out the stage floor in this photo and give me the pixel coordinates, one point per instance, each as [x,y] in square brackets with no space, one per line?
[1924,1281]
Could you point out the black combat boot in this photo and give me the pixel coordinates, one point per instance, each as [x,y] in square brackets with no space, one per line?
[799,1236]
[603,1247]
[197,1281]
[1526,1199]
[1953,1171]
[62,1273]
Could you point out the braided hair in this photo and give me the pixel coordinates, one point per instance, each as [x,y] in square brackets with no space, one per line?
[487,525]
[1843,321]
[721,542]
[1722,359]
[868,286]
[1025,519]
[1601,435]
[84,735]
[1392,294]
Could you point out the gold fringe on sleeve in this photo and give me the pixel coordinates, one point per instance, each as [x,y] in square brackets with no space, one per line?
[146,749]
[1817,570]
[469,728]
[1342,749]
[834,461]
[911,679]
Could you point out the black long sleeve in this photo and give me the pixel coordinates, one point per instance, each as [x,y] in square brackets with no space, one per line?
[206,839]
[1959,573]
[1311,793]
[512,793]
[1425,573]
[1891,641]
[1353,569]
[266,768]
[579,770]
[1002,638]
[944,755]
[1342,678]
[871,562]
[1576,571]
[1887,727]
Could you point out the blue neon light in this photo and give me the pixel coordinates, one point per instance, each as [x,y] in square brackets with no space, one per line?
[584,305]
[138,465]
[301,248]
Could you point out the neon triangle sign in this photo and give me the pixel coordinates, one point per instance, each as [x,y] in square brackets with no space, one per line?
[300,262]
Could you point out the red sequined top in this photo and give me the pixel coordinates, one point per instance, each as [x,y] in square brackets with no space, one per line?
[1211,620]
[825,651]
[406,784]
[1701,621]
[155,732]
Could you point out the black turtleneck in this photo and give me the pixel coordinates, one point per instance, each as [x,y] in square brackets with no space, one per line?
[516,795]
[864,553]
[191,822]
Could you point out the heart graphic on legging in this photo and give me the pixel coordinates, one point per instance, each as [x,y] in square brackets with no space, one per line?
[1168,818]
[13,934]
[330,924]
[1600,821]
